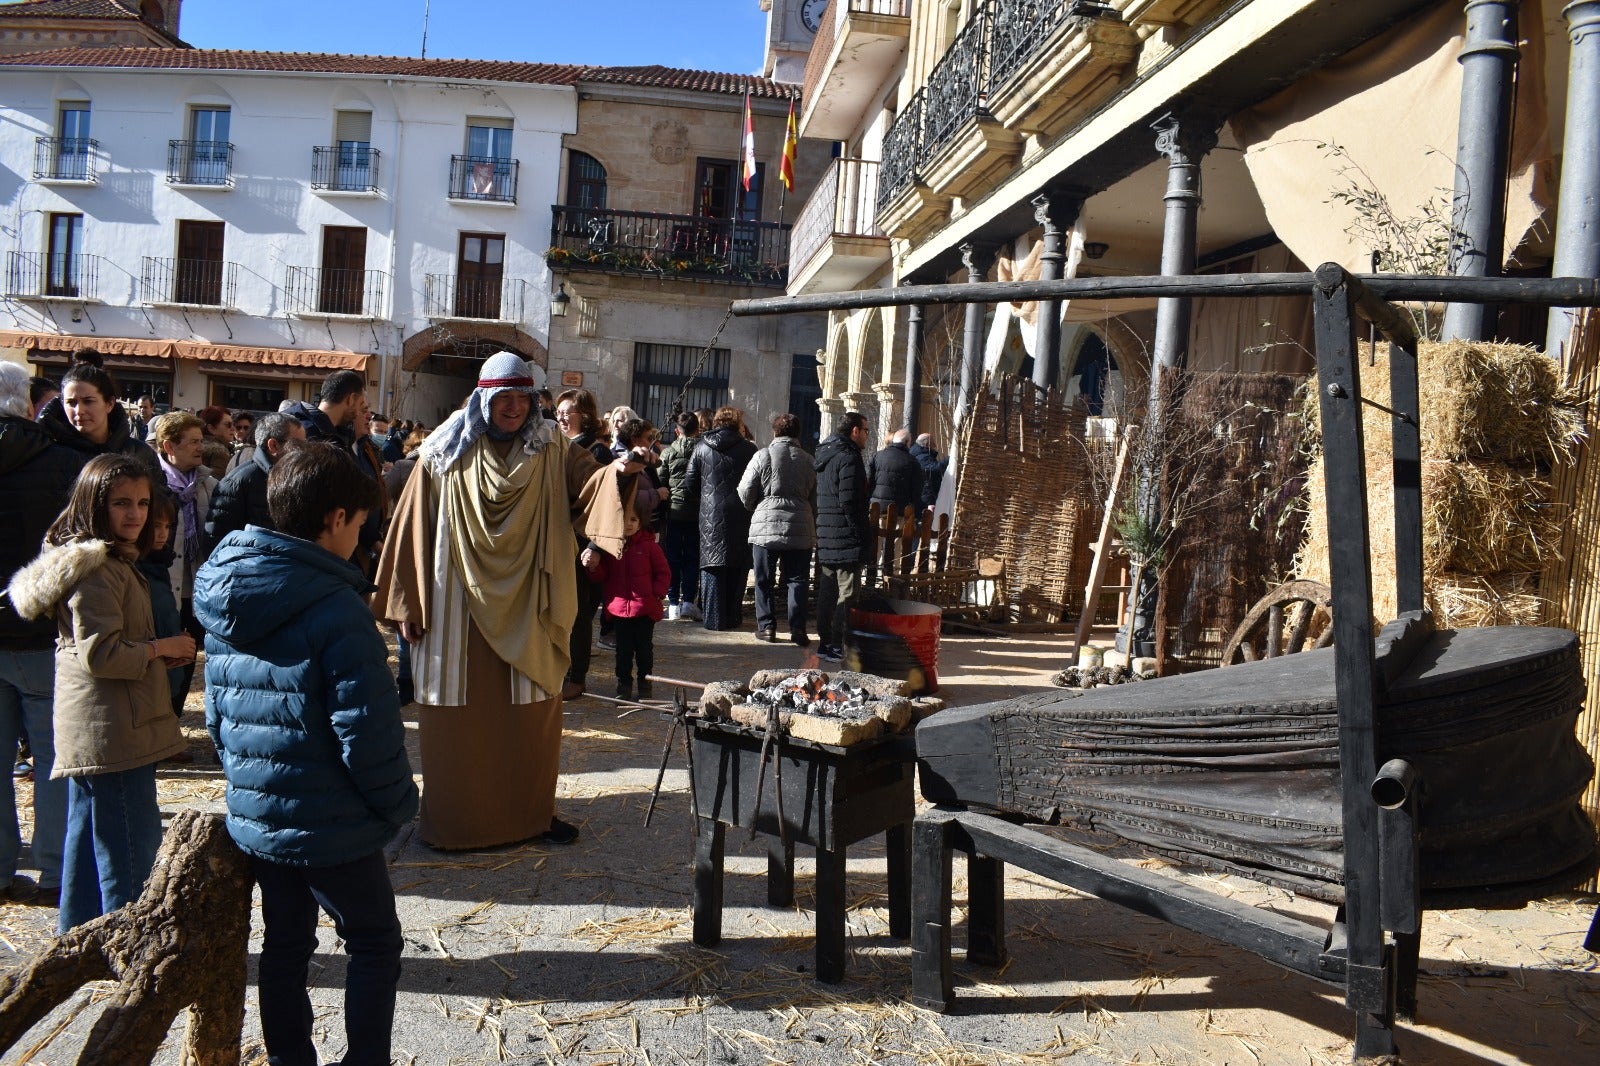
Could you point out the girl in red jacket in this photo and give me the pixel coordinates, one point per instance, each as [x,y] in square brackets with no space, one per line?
[631,588]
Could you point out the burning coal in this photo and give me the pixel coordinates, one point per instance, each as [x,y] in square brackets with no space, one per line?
[811,692]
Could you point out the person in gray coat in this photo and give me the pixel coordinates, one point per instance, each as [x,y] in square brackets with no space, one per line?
[780,486]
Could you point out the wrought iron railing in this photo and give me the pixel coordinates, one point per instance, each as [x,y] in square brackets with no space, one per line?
[200,163]
[326,291]
[344,168]
[651,242]
[46,274]
[958,86]
[845,202]
[902,150]
[490,299]
[483,177]
[190,282]
[65,159]
[1022,27]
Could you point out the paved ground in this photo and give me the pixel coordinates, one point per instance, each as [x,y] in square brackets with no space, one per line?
[583,954]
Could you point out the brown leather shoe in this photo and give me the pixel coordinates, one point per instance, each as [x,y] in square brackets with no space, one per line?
[571,690]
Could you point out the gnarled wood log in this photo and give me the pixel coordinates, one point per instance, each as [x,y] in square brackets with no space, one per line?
[183,943]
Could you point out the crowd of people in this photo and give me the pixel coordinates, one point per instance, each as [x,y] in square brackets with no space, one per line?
[274,541]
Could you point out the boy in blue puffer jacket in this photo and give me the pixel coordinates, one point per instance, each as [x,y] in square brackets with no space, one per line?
[305,717]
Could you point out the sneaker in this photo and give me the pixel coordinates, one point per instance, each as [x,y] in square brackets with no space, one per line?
[829,654]
[23,771]
[672,613]
[605,641]
[560,833]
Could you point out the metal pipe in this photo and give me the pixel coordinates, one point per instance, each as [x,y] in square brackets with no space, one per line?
[1055,212]
[1392,787]
[1184,142]
[1483,150]
[1577,252]
[977,258]
[1550,292]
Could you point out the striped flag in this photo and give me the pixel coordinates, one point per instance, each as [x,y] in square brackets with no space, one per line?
[791,142]
[749,145]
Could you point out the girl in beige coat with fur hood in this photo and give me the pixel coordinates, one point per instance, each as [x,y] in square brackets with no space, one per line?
[112,713]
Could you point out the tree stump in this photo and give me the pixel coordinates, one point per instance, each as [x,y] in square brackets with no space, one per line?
[182,944]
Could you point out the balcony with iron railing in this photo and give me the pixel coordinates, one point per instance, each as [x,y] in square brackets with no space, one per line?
[1050,63]
[344,168]
[483,179]
[457,296]
[206,283]
[692,247]
[319,291]
[837,242]
[53,276]
[857,49]
[204,164]
[66,159]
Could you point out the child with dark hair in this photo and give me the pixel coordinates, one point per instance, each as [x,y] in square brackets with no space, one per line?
[631,588]
[112,719]
[304,715]
[156,566]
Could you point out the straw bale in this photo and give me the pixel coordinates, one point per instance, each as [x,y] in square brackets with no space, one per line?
[1486,517]
[1477,400]
[1462,601]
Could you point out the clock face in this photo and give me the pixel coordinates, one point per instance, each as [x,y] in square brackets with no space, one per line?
[811,13]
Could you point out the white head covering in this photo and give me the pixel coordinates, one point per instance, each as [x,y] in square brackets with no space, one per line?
[501,372]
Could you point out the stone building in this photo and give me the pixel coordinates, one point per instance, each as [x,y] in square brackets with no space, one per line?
[655,234]
[41,25]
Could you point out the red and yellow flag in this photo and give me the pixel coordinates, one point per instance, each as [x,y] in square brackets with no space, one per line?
[791,142]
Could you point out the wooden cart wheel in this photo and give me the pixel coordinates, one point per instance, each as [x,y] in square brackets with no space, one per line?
[1295,616]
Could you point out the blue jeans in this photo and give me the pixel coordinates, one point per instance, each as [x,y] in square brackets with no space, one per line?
[681,545]
[27,692]
[113,833]
[358,897]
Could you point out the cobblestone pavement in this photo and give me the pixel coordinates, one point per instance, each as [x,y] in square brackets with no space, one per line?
[584,955]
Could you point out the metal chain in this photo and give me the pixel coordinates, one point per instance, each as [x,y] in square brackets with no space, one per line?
[699,364]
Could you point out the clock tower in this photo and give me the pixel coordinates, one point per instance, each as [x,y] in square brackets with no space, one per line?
[791,26]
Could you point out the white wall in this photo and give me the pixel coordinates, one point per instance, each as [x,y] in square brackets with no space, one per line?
[274,219]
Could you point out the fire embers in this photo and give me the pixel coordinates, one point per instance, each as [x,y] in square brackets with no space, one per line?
[811,692]
[839,709]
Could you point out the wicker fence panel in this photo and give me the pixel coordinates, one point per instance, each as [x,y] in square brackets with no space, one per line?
[1026,497]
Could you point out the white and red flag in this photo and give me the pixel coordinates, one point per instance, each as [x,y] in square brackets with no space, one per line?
[749,145]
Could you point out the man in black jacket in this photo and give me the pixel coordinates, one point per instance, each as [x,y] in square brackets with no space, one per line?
[843,539]
[241,498]
[895,475]
[36,474]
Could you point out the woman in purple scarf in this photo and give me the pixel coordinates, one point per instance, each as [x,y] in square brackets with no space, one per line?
[179,443]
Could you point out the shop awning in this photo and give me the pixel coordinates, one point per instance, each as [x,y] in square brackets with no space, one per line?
[238,357]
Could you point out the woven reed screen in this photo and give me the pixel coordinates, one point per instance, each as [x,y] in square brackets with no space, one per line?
[1571,581]
[1026,497]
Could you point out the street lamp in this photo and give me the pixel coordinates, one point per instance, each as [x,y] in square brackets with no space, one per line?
[560,302]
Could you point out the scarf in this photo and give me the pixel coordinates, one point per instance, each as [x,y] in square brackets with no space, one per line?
[446,445]
[511,543]
[184,487]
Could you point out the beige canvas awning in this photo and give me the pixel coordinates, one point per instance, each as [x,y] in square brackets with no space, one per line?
[235,356]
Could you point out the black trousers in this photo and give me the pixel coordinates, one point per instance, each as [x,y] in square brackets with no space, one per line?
[191,626]
[792,571]
[579,646]
[636,644]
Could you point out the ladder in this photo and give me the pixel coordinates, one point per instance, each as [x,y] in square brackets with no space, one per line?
[1105,547]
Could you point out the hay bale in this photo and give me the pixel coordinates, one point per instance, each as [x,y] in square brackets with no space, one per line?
[1477,401]
[1462,601]
[1486,518]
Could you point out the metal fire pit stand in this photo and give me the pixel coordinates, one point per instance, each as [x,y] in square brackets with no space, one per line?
[832,797]
[1372,950]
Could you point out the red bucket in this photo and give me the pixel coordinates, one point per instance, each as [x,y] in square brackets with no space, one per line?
[903,645]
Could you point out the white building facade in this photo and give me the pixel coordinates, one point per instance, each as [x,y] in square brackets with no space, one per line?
[229,227]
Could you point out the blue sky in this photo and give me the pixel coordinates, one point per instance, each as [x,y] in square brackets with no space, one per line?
[723,35]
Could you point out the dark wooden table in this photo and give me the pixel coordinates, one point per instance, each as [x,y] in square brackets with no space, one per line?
[832,797]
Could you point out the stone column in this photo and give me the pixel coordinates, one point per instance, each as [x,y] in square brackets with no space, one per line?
[911,406]
[1483,148]
[832,408]
[1184,142]
[977,257]
[1578,227]
[1056,211]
